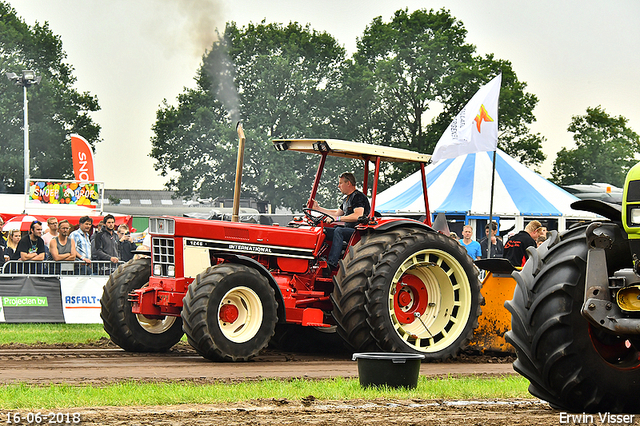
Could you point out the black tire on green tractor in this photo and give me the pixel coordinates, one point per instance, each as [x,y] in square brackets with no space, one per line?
[229,313]
[135,332]
[568,362]
[408,290]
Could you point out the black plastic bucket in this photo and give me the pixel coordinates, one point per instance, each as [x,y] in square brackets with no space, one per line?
[391,369]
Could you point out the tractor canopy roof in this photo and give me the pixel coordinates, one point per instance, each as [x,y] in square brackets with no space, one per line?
[339,148]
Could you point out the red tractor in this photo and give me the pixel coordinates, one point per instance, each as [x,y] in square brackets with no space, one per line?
[400,286]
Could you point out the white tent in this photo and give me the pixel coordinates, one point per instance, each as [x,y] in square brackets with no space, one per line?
[462,186]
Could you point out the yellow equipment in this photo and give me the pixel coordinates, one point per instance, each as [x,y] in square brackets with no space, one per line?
[495,320]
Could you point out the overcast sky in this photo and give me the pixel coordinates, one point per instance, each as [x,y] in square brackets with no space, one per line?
[134,54]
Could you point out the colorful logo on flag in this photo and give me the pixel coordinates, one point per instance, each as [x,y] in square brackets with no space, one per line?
[482,116]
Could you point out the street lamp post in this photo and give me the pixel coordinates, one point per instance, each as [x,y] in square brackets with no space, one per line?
[27,79]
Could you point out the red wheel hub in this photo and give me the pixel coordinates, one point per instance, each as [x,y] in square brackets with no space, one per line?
[411,297]
[228,313]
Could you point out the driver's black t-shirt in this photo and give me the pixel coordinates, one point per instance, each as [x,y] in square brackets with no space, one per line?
[353,200]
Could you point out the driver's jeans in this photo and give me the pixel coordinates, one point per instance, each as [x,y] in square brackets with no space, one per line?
[337,235]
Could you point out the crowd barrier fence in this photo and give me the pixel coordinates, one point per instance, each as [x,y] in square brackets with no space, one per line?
[53,292]
[51,267]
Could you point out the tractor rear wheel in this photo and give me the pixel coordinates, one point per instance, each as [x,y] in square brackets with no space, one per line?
[349,287]
[229,313]
[407,290]
[568,362]
[135,332]
[423,295]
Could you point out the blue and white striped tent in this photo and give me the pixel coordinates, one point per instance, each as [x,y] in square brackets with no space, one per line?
[462,186]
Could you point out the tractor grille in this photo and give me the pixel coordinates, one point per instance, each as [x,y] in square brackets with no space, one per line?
[161,225]
[163,256]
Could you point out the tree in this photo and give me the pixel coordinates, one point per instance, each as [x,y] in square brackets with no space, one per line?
[55,109]
[604,151]
[283,76]
[420,63]
[294,82]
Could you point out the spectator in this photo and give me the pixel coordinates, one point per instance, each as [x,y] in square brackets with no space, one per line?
[52,232]
[12,244]
[98,229]
[497,249]
[3,241]
[62,247]
[453,236]
[541,239]
[543,232]
[93,235]
[106,241]
[126,246]
[354,205]
[516,248]
[83,242]
[31,246]
[82,239]
[473,247]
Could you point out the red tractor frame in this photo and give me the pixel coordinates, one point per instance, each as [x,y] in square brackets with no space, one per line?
[400,286]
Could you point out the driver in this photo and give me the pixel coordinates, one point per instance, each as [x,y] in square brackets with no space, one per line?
[354,205]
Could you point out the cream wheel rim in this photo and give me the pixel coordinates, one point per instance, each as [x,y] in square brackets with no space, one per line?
[155,325]
[240,314]
[430,300]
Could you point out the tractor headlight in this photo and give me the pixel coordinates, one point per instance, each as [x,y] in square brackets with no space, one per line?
[171,271]
[157,269]
[634,216]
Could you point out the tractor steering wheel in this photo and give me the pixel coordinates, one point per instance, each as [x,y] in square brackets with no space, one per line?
[315,219]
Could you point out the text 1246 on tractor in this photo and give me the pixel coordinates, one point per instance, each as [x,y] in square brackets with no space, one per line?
[400,285]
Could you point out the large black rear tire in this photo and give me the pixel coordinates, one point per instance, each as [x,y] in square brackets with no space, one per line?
[349,287]
[135,332]
[229,313]
[570,363]
[424,295]
[407,290]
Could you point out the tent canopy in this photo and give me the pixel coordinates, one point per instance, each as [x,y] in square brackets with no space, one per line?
[462,185]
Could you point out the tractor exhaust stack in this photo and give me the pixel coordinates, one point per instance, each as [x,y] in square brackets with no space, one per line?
[235,217]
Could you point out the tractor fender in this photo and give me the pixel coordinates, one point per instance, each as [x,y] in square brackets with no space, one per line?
[613,212]
[247,261]
[402,222]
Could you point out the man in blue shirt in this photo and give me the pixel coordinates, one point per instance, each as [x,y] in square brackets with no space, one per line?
[473,247]
[81,237]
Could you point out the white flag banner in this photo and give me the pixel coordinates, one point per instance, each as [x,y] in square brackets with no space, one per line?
[475,128]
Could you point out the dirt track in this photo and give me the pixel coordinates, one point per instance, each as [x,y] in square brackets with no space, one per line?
[99,366]
[105,365]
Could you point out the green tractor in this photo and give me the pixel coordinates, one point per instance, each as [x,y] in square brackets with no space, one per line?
[575,311]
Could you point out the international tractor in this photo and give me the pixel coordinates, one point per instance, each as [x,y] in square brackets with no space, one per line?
[575,313]
[400,285]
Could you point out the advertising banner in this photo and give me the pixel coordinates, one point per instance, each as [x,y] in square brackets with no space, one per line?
[30,299]
[82,159]
[60,192]
[81,299]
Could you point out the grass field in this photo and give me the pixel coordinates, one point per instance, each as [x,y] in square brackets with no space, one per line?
[51,334]
[29,397]
[24,396]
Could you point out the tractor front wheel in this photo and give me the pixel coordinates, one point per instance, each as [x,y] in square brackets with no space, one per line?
[229,313]
[135,332]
